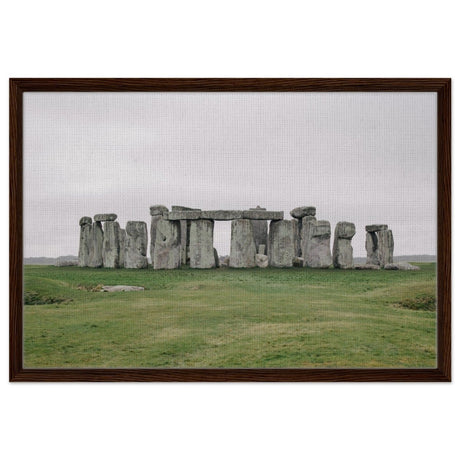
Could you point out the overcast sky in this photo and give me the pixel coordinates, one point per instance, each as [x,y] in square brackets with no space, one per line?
[361,157]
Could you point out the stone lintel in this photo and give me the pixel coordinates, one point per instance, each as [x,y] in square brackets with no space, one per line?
[183,215]
[225,215]
[263,215]
[105,217]
[376,228]
[183,208]
[222,215]
[303,211]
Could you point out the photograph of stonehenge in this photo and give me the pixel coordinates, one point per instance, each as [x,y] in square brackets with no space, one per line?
[259,238]
[230,230]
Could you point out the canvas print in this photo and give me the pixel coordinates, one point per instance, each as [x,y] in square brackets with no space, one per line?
[230,230]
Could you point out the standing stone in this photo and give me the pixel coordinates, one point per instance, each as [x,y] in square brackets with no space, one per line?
[242,246]
[122,235]
[297,228]
[111,245]
[86,242]
[379,245]
[167,245]
[216,258]
[136,245]
[184,234]
[316,243]
[260,229]
[342,252]
[153,233]
[281,246]
[261,249]
[201,244]
[97,241]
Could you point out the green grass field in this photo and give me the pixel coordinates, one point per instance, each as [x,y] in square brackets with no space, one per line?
[230,318]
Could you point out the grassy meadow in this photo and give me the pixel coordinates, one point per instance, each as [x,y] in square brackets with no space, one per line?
[230,318]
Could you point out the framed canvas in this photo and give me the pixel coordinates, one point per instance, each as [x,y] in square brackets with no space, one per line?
[230,229]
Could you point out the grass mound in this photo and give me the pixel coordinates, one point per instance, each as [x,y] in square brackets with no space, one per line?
[34,298]
[422,302]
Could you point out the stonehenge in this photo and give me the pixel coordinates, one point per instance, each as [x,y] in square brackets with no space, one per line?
[281,243]
[379,245]
[97,239]
[242,246]
[136,245]
[260,231]
[184,236]
[342,252]
[86,242]
[111,245]
[315,241]
[121,260]
[156,213]
[167,245]
[201,244]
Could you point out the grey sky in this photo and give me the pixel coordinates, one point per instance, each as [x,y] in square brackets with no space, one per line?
[361,157]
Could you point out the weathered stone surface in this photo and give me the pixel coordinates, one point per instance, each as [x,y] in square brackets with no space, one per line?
[122,239]
[184,242]
[303,211]
[263,215]
[345,230]
[86,242]
[366,267]
[222,215]
[297,227]
[342,252]
[136,245]
[201,244]
[95,260]
[121,288]
[183,215]
[376,228]
[261,260]
[260,231]
[401,266]
[183,208]
[158,210]
[298,262]
[216,258]
[153,233]
[224,261]
[105,217]
[167,245]
[379,247]
[111,245]
[281,247]
[86,221]
[316,243]
[66,261]
[242,246]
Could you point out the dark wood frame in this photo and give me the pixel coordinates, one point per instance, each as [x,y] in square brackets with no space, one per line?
[442,86]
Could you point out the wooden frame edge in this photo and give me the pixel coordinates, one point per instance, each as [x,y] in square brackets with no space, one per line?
[442,86]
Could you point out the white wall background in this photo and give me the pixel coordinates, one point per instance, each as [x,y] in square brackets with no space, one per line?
[238,38]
